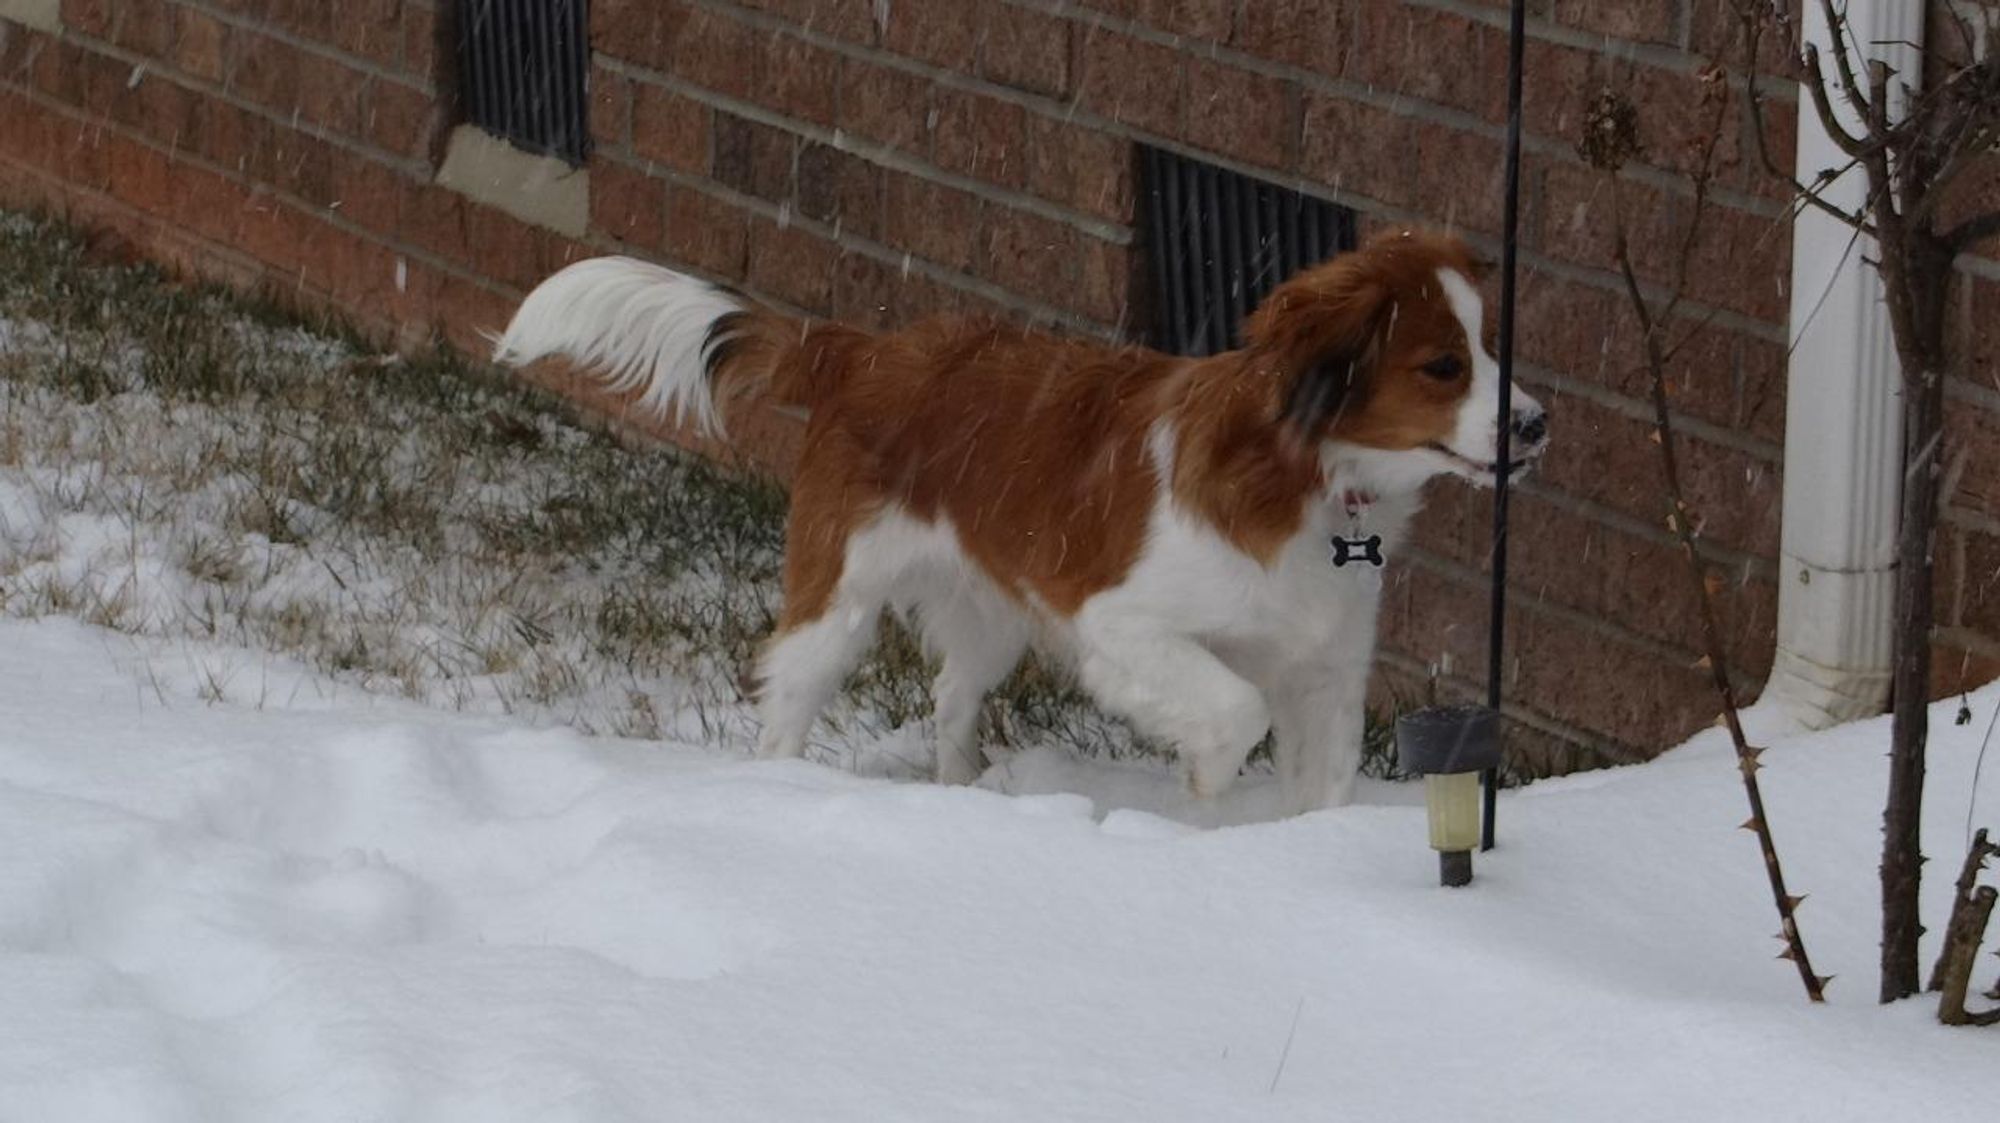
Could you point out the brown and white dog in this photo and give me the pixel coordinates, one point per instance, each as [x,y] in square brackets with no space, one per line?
[1161,523]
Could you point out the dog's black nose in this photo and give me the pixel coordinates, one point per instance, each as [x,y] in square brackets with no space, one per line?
[1531,428]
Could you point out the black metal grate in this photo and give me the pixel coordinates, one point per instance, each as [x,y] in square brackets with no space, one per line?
[1219,241]
[524,70]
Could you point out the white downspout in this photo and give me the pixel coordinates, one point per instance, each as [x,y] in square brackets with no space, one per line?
[1843,420]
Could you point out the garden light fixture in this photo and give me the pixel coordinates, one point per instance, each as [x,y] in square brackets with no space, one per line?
[1451,746]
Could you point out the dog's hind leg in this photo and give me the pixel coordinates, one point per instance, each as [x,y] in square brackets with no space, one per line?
[980,641]
[802,667]
[833,603]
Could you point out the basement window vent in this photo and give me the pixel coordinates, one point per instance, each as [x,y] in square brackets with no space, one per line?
[1219,241]
[524,70]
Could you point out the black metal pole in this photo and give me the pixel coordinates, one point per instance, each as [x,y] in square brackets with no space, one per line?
[1509,234]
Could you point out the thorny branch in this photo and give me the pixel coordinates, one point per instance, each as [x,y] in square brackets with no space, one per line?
[1610,139]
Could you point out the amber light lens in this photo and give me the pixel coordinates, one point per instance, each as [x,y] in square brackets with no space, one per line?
[1453,802]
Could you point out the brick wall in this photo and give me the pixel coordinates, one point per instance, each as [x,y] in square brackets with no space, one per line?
[978,154]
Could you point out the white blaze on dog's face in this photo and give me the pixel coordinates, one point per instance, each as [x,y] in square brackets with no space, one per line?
[1473,449]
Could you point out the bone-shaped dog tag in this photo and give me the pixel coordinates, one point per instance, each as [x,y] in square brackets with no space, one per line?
[1367,549]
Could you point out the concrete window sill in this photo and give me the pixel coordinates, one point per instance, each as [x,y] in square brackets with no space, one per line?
[42,15]
[541,190]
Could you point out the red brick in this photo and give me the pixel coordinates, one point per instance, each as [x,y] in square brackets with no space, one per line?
[1560,557]
[1567,79]
[853,20]
[1589,333]
[1957,669]
[940,34]
[752,158]
[308,20]
[979,136]
[707,233]
[1357,148]
[619,27]
[867,293]
[265,71]
[1029,254]
[372,31]
[503,247]
[791,264]
[166,110]
[839,189]
[144,28]
[1026,49]
[1199,19]
[1715,33]
[433,219]
[330,94]
[1239,113]
[884,105]
[89,17]
[1580,215]
[934,222]
[199,44]
[1104,281]
[1647,20]
[1431,55]
[1588,677]
[799,79]
[400,119]
[610,110]
[1304,33]
[1974,433]
[712,50]
[669,129]
[627,205]
[1976,345]
[59,70]
[420,42]
[224,133]
[366,192]
[1132,81]
[1975,192]
[307,172]
[1460,177]
[1080,168]
[1609,458]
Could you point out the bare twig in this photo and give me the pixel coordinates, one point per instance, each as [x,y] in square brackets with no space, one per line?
[1611,112]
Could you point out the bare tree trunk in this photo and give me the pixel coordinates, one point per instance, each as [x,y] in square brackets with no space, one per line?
[1902,813]
[1916,299]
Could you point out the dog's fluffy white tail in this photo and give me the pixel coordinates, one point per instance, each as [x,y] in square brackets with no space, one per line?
[647,330]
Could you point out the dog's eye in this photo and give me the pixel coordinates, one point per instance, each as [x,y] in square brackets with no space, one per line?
[1444,367]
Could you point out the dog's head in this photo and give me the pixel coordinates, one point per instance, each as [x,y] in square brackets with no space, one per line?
[1384,358]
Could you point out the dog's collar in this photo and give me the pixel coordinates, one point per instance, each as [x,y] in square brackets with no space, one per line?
[1356,501]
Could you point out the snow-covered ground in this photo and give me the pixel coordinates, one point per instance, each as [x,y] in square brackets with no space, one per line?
[338,906]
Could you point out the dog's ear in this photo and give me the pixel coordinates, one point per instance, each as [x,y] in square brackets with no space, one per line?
[1323,332]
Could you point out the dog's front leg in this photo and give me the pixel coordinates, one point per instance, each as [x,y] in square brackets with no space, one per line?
[1173,689]
[1317,717]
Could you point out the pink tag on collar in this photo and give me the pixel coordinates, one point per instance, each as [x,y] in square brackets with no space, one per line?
[1356,502]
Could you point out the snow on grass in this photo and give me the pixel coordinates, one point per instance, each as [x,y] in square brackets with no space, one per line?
[182,466]
[362,909]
